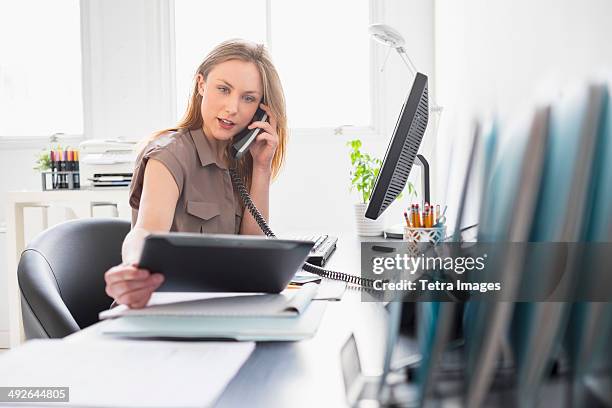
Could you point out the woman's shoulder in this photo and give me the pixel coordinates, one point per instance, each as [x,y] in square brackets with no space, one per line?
[176,142]
[173,149]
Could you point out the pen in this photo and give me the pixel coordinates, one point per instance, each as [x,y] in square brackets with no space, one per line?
[52,159]
[77,176]
[431,216]
[72,166]
[62,167]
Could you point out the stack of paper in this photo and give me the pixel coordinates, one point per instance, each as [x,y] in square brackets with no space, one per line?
[288,316]
[126,373]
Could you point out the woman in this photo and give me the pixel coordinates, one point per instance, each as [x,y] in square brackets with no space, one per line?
[181,180]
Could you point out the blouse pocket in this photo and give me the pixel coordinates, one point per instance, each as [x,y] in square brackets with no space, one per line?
[206,216]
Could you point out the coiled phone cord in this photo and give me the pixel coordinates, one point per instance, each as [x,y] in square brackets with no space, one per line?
[308,267]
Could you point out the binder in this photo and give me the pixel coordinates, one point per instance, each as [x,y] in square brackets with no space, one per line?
[590,323]
[538,328]
[519,175]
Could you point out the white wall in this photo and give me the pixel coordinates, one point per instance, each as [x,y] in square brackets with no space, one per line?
[16,174]
[496,56]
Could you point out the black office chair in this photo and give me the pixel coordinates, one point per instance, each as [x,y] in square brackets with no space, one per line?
[61,275]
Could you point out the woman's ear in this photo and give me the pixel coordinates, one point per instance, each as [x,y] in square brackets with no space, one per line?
[201,83]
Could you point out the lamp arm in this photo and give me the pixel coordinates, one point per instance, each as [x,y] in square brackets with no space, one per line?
[404,55]
[402,52]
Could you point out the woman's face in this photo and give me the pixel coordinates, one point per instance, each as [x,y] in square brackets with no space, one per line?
[230,96]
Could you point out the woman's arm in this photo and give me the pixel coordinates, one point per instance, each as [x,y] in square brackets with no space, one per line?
[157,205]
[260,194]
[126,283]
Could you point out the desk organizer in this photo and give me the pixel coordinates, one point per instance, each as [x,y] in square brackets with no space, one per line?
[60,180]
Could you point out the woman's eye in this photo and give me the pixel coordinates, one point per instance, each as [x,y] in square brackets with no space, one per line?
[249,99]
[223,89]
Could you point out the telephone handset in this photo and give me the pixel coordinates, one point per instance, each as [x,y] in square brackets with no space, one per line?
[365,283]
[247,136]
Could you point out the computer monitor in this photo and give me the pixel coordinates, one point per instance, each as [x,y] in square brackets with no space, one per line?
[402,149]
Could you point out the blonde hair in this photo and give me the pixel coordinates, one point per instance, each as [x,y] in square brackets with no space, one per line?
[236,49]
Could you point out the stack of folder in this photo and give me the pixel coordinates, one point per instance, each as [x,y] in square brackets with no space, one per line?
[288,316]
[111,179]
[547,178]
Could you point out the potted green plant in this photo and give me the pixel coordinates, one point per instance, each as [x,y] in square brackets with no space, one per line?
[364,173]
[43,161]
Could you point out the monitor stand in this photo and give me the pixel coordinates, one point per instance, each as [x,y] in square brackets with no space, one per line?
[396,231]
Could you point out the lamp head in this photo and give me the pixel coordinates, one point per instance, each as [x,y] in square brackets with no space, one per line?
[386,35]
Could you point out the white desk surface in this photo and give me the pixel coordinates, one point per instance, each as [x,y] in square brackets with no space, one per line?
[300,374]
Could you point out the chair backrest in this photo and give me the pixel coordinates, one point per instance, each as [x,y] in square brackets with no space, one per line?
[61,275]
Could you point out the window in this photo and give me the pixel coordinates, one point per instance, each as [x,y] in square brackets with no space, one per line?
[322,53]
[200,25]
[40,68]
[320,50]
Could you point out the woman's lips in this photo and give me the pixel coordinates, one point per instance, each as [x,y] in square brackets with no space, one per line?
[224,125]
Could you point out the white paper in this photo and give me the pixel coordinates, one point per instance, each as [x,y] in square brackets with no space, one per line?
[330,289]
[286,303]
[122,373]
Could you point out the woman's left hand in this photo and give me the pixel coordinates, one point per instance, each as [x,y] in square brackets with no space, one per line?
[266,142]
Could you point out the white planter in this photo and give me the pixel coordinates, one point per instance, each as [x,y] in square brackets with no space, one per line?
[365,226]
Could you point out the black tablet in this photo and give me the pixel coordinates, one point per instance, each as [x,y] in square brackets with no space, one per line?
[223,263]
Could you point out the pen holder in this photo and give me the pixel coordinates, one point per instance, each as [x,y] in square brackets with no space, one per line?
[427,235]
[416,236]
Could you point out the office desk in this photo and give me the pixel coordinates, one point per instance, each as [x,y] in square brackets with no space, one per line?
[78,200]
[306,373]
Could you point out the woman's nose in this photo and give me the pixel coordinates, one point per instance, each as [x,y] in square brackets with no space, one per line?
[231,106]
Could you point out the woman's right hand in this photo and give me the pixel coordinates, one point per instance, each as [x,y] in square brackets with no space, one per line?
[131,286]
